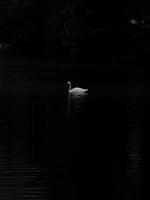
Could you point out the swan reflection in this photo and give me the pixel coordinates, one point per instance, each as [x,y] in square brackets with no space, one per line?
[76,99]
[76,103]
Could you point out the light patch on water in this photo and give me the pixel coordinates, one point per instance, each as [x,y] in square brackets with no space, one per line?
[133,21]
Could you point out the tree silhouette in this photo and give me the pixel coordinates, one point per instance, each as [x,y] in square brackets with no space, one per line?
[76,27]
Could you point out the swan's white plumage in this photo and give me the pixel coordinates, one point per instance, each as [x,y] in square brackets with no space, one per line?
[76,90]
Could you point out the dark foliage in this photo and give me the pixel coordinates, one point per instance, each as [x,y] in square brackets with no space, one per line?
[72,28]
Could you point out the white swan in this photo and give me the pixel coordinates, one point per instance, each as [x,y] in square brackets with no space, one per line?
[76,90]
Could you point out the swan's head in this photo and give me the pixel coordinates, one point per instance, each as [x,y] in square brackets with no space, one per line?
[68,82]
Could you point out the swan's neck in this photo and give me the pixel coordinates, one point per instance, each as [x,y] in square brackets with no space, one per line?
[69,86]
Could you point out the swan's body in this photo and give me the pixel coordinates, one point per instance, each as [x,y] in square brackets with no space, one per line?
[76,90]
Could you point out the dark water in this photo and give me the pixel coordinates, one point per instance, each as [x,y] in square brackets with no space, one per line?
[55,146]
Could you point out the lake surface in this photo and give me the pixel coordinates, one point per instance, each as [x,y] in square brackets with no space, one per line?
[54,146]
